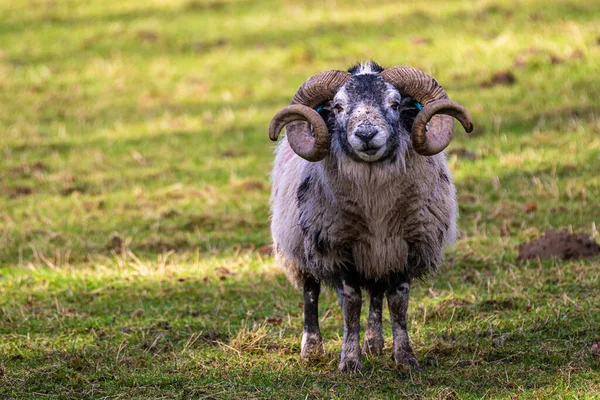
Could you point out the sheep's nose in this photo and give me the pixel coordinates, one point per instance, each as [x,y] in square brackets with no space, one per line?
[366,134]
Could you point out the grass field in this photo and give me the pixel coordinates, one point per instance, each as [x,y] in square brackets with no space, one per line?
[134,162]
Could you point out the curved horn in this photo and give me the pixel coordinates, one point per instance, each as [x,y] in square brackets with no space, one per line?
[307,146]
[432,143]
[427,91]
[312,93]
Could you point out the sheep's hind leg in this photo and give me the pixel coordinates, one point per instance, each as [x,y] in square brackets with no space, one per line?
[351,305]
[373,343]
[312,344]
[397,295]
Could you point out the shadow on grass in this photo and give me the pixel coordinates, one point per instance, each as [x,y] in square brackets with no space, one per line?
[239,334]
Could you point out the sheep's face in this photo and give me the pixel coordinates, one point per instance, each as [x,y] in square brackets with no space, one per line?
[371,120]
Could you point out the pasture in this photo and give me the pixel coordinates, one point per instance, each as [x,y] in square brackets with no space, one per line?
[134,187]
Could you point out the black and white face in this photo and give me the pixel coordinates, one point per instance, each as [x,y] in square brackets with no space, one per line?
[371,119]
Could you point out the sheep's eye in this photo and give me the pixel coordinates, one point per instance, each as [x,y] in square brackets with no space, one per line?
[395,106]
[338,107]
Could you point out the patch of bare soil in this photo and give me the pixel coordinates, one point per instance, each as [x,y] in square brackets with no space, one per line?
[20,191]
[251,185]
[204,6]
[116,243]
[233,153]
[148,36]
[500,78]
[559,244]
[26,169]
[420,40]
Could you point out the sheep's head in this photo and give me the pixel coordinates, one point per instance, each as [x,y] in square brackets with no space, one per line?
[368,118]
[369,112]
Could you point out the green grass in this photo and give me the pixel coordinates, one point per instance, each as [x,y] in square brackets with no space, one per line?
[134,198]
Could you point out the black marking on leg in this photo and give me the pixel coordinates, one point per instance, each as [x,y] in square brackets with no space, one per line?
[398,295]
[373,343]
[312,290]
[312,346]
[352,302]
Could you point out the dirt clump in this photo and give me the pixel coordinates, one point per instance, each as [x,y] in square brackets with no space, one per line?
[148,36]
[500,78]
[20,191]
[559,244]
[419,40]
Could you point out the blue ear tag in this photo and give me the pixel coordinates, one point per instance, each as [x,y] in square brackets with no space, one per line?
[319,108]
[419,105]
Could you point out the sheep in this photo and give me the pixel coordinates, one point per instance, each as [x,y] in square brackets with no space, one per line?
[358,202]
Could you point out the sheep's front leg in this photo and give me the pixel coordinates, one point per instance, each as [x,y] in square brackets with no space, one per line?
[373,343]
[397,295]
[351,305]
[312,344]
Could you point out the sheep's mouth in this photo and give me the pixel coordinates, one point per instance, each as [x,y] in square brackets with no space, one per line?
[371,151]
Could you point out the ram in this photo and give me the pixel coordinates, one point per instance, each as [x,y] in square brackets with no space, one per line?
[362,197]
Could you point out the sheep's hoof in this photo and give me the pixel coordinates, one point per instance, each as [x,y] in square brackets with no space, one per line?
[350,365]
[406,360]
[312,347]
[373,344]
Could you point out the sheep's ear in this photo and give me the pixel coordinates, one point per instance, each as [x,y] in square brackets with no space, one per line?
[326,112]
[408,112]
[324,109]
